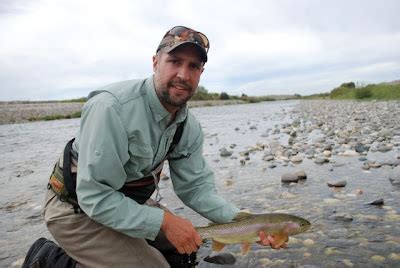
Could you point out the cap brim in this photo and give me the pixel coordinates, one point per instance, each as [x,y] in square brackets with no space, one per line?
[203,52]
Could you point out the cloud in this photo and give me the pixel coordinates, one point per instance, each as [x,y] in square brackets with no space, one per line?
[64,49]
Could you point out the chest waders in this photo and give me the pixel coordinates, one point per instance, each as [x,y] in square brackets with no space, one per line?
[63,183]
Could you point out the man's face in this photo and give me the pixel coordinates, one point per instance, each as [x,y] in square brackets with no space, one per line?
[177,75]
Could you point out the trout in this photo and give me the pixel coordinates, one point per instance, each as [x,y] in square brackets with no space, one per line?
[246,229]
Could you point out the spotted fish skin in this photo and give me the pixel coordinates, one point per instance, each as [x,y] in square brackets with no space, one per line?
[246,230]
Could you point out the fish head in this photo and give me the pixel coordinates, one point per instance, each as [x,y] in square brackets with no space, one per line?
[297,225]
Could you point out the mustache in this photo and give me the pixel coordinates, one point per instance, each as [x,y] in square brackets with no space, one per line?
[179,83]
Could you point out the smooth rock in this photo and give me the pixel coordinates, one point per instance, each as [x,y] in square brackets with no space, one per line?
[289,177]
[308,242]
[378,258]
[349,153]
[341,183]
[377,202]
[225,153]
[321,161]
[342,217]
[221,258]
[296,159]
[301,175]
[360,148]
[394,176]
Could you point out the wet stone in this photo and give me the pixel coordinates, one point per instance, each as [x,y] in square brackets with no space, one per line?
[221,258]
[268,157]
[360,148]
[377,202]
[301,174]
[340,183]
[394,176]
[320,160]
[289,177]
[272,166]
[225,153]
[345,217]
[365,166]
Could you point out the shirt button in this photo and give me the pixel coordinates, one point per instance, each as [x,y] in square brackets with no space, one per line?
[97,153]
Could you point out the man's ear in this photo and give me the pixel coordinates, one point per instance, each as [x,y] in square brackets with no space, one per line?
[155,62]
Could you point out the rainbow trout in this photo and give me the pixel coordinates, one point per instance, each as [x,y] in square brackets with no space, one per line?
[246,229]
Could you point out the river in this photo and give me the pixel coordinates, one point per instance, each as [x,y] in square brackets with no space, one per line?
[346,231]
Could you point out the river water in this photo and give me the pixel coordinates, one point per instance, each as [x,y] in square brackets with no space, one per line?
[345,231]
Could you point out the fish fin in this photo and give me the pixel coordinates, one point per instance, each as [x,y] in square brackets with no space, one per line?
[217,246]
[245,248]
[280,239]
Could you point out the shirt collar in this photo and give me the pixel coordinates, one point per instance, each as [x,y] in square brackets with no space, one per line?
[159,112]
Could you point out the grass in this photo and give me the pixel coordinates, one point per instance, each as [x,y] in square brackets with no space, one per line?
[370,92]
[56,117]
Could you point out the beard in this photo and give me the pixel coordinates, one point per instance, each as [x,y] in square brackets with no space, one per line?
[174,99]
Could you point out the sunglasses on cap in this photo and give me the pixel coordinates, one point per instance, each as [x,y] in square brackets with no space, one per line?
[180,34]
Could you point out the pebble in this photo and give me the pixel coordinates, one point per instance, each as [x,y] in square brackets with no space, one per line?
[394,176]
[225,153]
[331,251]
[348,263]
[377,202]
[331,201]
[265,262]
[289,177]
[342,217]
[365,166]
[308,242]
[301,175]
[394,256]
[268,157]
[378,258]
[18,263]
[341,183]
[287,195]
[296,159]
[221,258]
[321,161]
[349,153]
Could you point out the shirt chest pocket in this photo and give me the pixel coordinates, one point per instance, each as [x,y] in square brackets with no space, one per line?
[141,158]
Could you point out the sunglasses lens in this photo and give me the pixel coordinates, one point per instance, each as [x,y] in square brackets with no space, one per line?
[189,34]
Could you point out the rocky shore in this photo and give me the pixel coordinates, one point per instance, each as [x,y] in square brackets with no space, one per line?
[21,112]
[335,163]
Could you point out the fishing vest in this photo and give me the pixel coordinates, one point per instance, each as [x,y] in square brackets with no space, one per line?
[63,179]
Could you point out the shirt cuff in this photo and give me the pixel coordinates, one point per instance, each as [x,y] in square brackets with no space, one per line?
[154,220]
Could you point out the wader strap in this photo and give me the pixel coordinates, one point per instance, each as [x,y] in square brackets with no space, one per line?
[70,183]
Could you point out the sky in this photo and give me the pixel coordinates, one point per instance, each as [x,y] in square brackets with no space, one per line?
[62,49]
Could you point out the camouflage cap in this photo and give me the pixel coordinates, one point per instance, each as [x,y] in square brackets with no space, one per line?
[180,35]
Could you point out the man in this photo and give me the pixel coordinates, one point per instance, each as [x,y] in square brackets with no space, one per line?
[127,131]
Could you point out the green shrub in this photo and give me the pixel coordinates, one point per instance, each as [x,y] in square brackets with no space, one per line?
[224,96]
[340,93]
[363,93]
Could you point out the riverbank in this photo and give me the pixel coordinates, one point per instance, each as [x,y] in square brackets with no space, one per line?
[22,112]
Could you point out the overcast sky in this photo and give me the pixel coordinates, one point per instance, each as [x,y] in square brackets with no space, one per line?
[52,49]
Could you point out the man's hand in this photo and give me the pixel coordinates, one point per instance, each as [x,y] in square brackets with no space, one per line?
[274,242]
[181,233]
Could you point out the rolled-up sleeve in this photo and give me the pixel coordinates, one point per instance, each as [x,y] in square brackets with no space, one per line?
[194,184]
[103,152]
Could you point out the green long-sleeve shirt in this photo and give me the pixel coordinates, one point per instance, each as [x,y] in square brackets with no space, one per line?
[123,135]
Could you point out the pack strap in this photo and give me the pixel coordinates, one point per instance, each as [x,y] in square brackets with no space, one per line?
[69,182]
